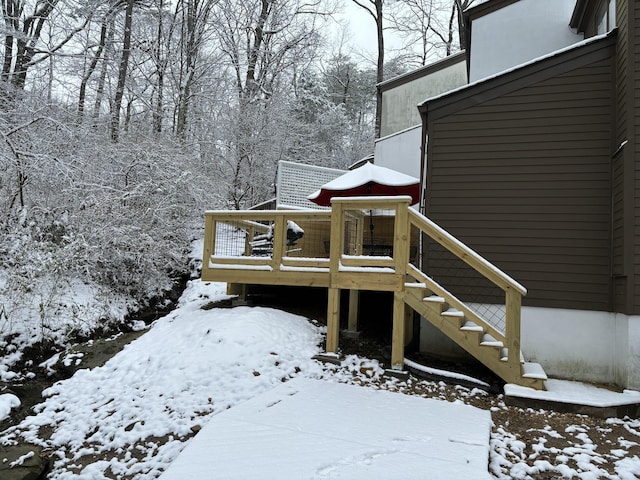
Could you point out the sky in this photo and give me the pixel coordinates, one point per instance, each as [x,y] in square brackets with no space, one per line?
[362,30]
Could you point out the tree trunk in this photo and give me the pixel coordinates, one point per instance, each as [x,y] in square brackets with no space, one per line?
[158,113]
[122,73]
[380,70]
[91,69]
[103,78]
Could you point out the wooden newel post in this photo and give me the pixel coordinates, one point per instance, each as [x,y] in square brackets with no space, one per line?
[401,259]
[209,240]
[335,252]
[513,312]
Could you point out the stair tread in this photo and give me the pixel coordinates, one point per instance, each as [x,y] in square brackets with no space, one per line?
[434,299]
[452,312]
[489,341]
[533,370]
[471,327]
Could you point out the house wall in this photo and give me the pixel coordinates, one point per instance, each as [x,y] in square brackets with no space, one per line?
[619,197]
[528,186]
[401,96]
[501,39]
[633,151]
[586,345]
[632,354]
[626,171]
[400,151]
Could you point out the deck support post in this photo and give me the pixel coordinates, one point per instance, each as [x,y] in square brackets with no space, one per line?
[333,320]
[397,337]
[239,289]
[408,324]
[354,305]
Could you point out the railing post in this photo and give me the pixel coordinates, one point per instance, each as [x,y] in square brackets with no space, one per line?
[209,240]
[336,248]
[513,302]
[401,237]
[401,259]
[336,239]
[279,236]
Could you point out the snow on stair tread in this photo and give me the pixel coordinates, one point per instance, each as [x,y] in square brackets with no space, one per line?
[471,327]
[452,312]
[489,341]
[434,299]
[533,370]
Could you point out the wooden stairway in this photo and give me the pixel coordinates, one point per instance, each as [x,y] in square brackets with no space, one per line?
[465,327]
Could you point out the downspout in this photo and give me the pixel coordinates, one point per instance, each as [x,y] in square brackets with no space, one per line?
[423,158]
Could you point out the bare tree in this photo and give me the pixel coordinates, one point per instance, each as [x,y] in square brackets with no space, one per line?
[105,23]
[374,9]
[194,24]
[263,40]
[23,26]
[433,24]
[424,23]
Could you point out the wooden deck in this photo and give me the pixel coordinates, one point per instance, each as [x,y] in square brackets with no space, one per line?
[335,252]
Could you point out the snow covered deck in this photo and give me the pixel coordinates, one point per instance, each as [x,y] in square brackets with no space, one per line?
[298,430]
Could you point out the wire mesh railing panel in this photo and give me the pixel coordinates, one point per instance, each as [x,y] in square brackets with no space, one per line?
[465,283]
[230,241]
[369,233]
[307,238]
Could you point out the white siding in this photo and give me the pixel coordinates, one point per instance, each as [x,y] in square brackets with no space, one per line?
[401,151]
[400,104]
[519,33]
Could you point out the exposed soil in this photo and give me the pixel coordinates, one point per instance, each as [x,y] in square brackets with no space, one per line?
[89,354]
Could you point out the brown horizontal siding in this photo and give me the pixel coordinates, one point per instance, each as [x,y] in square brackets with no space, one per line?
[634,45]
[524,179]
[618,221]
[623,75]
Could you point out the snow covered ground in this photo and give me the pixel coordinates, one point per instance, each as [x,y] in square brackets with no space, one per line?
[51,310]
[315,429]
[133,416]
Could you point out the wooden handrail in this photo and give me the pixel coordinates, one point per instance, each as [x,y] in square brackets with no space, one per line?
[257,215]
[464,253]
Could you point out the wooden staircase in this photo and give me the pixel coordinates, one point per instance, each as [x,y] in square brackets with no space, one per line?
[462,325]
